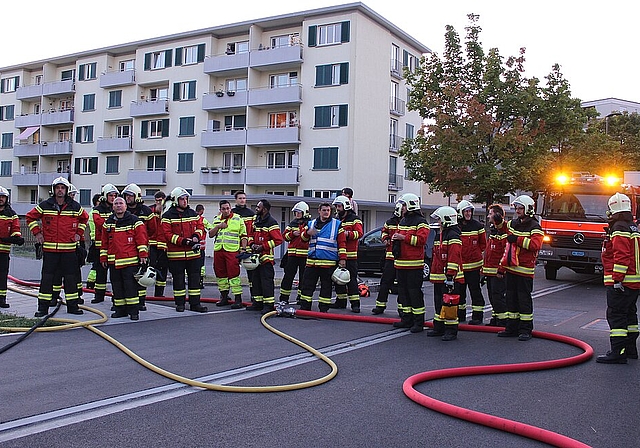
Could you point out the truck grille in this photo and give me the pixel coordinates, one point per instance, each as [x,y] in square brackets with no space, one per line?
[567,242]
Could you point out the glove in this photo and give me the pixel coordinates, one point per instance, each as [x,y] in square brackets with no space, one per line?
[512,238]
[38,248]
[483,280]
[81,254]
[617,286]
[188,242]
[196,247]
[18,240]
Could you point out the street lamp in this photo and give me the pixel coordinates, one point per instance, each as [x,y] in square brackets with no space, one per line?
[606,121]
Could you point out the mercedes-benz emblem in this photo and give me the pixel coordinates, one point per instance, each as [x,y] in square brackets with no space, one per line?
[578,238]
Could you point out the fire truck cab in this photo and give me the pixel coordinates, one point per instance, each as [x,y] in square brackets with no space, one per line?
[573,220]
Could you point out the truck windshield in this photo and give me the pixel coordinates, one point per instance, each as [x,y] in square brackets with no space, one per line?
[575,206]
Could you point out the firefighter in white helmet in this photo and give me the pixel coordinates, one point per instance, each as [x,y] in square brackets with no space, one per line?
[296,257]
[100,213]
[389,228]
[9,234]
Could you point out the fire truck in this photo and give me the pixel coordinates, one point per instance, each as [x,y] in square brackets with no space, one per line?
[573,220]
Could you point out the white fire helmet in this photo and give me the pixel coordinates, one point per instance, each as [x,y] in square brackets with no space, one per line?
[177,193]
[146,277]
[463,205]
[397,211]
[411,200]
[301,207]
[341,276]
[133,190]
[448,216]
[527,202]
[108,189]
[252,262]
[619,203]
[346,203]
[60,181]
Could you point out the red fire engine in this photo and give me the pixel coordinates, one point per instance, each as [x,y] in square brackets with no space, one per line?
[573,219]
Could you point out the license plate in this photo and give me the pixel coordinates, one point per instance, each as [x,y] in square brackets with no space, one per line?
[577,253]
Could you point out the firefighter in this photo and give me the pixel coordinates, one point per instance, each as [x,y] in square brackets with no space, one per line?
[158,247]
[496,241]
[620,260]
[58,224]
[408,255]
[264,237]
[446,274]
[132,195]
[474,243]
[123,250]
[247,215]
[296,258]
[9,234]
[230,235]
[93,255]
[389,228]
[207,226]
[182,231]
[100,213]
[524,239]
[351,226]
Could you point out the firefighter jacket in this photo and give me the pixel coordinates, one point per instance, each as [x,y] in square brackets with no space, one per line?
[100,213]
[388,229]
[265,231]
[496,241]
[59,224]
[207,226]
[324,247]
[147,217]
[415,229]
[351,226]
[246,214]
[297,246]
[620,253]
[229,239]
[177,226]
[157,238]
[447,256]
[124,240]
[9,226]
[474,243]
[520,257]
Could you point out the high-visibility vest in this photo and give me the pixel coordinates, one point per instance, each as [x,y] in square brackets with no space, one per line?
[229,239]
[324,245]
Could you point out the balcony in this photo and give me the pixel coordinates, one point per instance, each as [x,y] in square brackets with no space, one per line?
[223,139]
[395,142]
[45,179]
[23,180]
[227,64]
[396,182]
[396,69]
[272,176]
[113,144]
[55,148]
[27,121]
[146,108]
[222,176]
[117,78]
[144,177]
[29,92]
[26,150]
[222,100]
[22,208]
[396,106]
[287,95]
[281,58]
[273,136]
[57,117]
[59,88]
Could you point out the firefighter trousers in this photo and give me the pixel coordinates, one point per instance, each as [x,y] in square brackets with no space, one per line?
[410,290]
[263,284]
[62,265]
[496,289]
[310,280]
[192,269]
[472,281]
[622,311]
[294,265]
[386,282]
[519,303]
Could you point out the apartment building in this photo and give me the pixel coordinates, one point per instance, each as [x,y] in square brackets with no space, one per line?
[296,106]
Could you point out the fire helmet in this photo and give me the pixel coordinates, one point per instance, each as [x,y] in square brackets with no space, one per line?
[464,205]
[134,191]
[528,203]
[108,189]
[619,203]
[60,181]
[73,190]
[4,192]
[447,216]
[341,276]
[301,207]
[411,200]
[146,277]
[251,262]
[346,203]
[177,193]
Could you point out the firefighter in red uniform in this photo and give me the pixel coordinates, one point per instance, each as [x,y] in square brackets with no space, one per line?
[264,237]
[620,260]
[158,247]
[389,228]
[9,234]
[100,213]
[182,231]
[124,248]
[58,224]
[351,226]
[446,275]
[408,254]
[247,216]
[474,243]
[524,239]
[496,241]
[296,251]
[132,195]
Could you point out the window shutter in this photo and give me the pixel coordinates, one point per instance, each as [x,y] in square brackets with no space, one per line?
[144,129]
[405,58]
[89,130]
[2,86]
[176,91]
[323,117]
[93,165]
[345,31]
[81,72]
[178,60]
[147,61]
[343,113]
[167,58]
[201,48]
[320,75]
[78,135]
[17,82]
[344,73]
[312,35]
[76,168]
[306,193]
[165,127]
[192,90]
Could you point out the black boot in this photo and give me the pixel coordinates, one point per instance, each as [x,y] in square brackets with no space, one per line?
[355,306]
[180,306]
[462,315]
[99,296]
[450,333]
[72,307]
[632,349]
[134,312]
[142,303]
[238,302]
[43,308]
[418,323]
[438,329]
[284,299]
[617,354]
[406,321]
[339,304]
[3,302]
[224,301]
[91,285]
[476,318]
[305,305]
[54,299]
[158,291]
[194,305]
[377,310]
[268,307]
[120,311]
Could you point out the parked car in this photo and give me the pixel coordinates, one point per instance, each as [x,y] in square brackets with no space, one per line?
[372,250]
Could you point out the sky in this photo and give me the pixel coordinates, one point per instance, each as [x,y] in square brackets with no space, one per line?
[593,42]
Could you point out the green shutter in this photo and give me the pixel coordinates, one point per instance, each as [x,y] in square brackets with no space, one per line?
[343,112]
[89,130]
[201,49]
[76,168]
[405,58]
[344,73]
[81,72]
[144,129]
[17,82]
[78,134]
[312,35]
[93,165]
[176,91]
[165,127]
[167,58]
[320,75]
[178,59]
[345,31]
[323,117]
[147,61]
[192,90]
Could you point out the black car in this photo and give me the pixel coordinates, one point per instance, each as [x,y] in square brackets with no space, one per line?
[372,250]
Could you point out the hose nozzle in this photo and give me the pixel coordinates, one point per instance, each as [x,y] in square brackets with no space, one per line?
[283,309]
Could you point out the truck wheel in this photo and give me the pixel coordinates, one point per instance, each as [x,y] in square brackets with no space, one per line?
[550,272]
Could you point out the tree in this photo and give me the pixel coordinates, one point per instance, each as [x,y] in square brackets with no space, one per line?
[489,129]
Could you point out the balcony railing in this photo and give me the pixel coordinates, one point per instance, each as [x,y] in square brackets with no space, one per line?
[216,175]
[266,136]
[271,58]
[272,176]
[27,121]
[144,177]
[29,92]
[55,117]
[227,64]
[26,150]
[396,182]
[223,138]
[113,144]
[117,78]
[145,108]
[45,179]
[224,100]
[396,68]
[56,148]
[395,142]
[58,88]
[265,97]
[26,179]
[396,106]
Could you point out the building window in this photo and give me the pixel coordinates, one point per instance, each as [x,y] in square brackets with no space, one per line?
[237,47]
[235,122]
[9,84]
[332,74]
[87,71]
[115,99]
[84,134]
[185,162]
[160,94]
[285,40]
[283,80]
[85,197]
[68,75]
[333,33]
[38,80]
[187,126]
[409,61]
[113,163]
[5,168]
[128,65]
[66,105]
[230,160]
[183,91]
[409,130]
[154,128]
[190,55]
[331,116]
[123,131]
[64,135]
[7,112]
[89,102]
[236,85]
[280,159]
[283,119]
[157,60]
[86,165]
[157,163]
[321,194]
[392,198]
[325,158]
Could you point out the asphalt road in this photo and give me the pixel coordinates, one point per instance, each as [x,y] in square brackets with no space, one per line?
[72,388]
